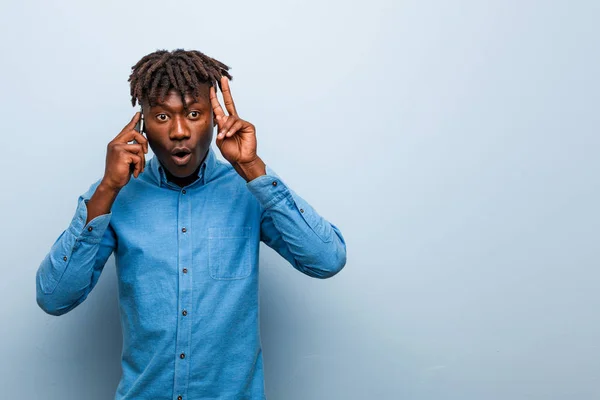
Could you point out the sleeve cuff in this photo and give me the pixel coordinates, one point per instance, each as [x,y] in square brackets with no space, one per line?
[268,189]
[94,230]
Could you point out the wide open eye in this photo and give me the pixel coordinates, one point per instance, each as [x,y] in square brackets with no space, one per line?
[194,114]
[162,117]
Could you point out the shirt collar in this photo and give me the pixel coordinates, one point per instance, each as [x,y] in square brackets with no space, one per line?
[205,172]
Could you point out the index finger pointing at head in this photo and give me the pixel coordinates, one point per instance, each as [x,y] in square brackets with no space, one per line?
[133,121]
[214,101]
[227,98]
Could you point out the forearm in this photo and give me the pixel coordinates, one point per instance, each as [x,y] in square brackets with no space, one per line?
[316,247]
[292,227]
[71,268]
[101,201]
[64,276]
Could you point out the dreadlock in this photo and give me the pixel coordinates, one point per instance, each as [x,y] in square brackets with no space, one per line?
[156,73]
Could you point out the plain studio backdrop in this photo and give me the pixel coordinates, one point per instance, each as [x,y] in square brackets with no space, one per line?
[455,144]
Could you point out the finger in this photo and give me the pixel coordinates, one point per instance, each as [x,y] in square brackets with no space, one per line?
[134,120]
[221,121]
[227,125]
[132,134]
[136,149]
[227,98]
[133,148]
[214,101]
[235,128]
[139,150]
[134,160]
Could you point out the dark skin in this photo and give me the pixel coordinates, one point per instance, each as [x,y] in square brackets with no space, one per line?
[168,125]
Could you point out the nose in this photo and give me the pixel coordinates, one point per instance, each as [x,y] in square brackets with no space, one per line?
[179,129]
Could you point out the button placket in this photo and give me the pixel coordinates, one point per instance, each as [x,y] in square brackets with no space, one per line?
[184,328]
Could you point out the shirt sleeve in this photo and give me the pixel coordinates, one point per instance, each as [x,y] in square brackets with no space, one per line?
[294,229]
[75,261]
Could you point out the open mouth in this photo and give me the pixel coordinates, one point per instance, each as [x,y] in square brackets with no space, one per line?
[181,158]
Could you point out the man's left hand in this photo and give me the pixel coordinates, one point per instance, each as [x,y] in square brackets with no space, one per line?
[236,138]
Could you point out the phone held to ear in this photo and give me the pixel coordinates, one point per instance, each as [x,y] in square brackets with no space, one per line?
[139,126]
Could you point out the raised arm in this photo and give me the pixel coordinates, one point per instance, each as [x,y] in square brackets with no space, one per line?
[75,261]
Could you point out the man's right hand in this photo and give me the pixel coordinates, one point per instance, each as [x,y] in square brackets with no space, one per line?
[122,156]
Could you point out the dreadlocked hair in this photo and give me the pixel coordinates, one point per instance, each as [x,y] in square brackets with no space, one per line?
[157,73]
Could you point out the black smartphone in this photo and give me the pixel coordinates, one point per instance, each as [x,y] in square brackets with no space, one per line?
[140,124]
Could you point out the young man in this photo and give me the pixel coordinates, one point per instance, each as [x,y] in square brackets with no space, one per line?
[186,233]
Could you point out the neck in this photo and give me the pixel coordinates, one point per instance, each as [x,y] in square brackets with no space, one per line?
[181,182]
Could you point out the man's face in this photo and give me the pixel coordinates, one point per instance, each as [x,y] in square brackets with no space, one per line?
[168,125]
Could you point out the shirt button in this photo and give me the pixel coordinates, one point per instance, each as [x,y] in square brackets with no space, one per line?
[183,230]
[182,355]
[183,191]
[184,312]
[65,258]
[185,270]
[90,228]
[274,183]
[301,210]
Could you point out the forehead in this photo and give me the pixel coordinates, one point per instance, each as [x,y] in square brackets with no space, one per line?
[172,99]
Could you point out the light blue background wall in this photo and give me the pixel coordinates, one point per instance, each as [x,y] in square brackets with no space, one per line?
[455,144]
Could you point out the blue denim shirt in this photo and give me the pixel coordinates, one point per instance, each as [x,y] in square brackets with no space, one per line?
[187,268]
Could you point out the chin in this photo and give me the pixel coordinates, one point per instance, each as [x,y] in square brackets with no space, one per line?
[181,171]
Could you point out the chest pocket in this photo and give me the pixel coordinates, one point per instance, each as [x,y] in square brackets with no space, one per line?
[229,252]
